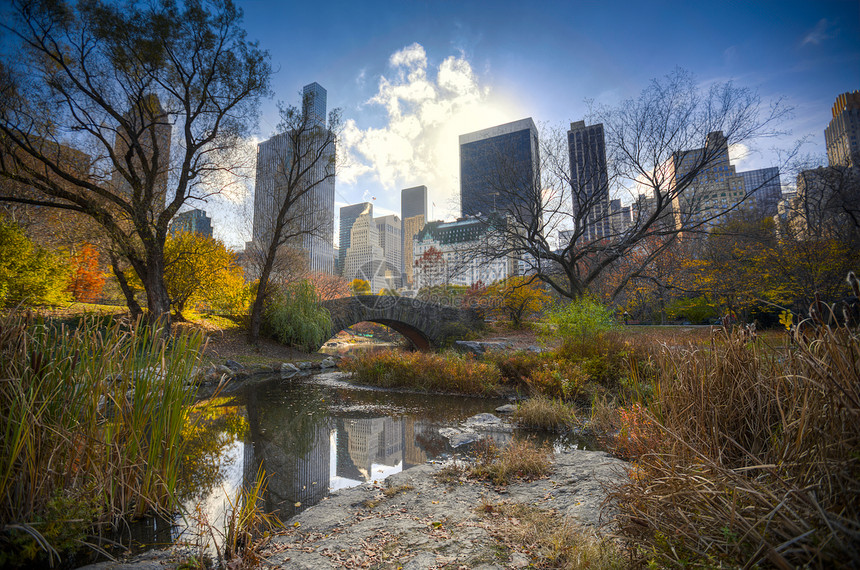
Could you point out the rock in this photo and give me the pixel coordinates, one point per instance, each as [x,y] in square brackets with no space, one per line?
[535,348]
[487,422]
[507,409]
[328,363]
[479,348]
[305,365]
[233,365]
[288,368]
[457,437]
[221,369]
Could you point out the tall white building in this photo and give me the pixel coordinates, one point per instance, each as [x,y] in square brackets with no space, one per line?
[313,215]
[365,259]
[389,230]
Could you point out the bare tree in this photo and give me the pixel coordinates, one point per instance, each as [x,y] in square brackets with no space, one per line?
[300,164]
[559,225]
[119,85]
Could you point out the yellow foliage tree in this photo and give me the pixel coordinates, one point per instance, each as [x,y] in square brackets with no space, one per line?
[517,298]
[360,287]
[201,270]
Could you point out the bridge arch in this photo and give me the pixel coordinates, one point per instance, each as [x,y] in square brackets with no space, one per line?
[426,325]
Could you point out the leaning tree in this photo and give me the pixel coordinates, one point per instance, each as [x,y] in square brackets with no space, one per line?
[125,112]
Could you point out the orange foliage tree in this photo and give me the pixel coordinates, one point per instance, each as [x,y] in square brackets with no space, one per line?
[87,279]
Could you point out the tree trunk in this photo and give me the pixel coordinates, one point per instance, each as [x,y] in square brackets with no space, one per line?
[133,306]
[260,299]
[157,299]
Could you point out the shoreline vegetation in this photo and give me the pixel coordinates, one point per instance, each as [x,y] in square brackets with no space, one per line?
[742,448]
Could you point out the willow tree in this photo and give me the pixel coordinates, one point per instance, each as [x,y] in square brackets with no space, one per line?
[125,112]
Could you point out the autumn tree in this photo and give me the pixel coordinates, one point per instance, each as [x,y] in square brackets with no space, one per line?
[152,96]
[29,275]
[301,165]
[518,298]
[652,148]
[329,286]
[87,279]
[200,269]
[360,287]
[430,269]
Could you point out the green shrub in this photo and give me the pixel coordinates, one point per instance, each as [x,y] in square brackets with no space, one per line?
[295,317]
[580,321]
[29,275]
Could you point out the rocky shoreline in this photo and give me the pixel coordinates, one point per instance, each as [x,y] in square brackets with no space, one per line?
[414,521]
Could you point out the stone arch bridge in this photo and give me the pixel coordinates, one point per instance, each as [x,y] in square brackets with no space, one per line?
[426,325]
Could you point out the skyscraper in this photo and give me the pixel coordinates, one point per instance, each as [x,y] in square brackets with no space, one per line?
[348,216]
[499,171]
[152,131]
[766,188]
[389,230]
[365,259]
[314,100]
[841,135]
[312,217]
[411,227]
[192,221]
[413,204]
[589,179]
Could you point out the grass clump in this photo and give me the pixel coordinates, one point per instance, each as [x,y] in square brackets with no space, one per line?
[91,418]
[431,372]
[748,455]
[544,413]
[521,459]
[550,539]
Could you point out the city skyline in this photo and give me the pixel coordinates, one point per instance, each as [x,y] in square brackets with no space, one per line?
[427,74]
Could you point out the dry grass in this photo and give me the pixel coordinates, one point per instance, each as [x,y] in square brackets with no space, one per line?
[447,372]
[549,539]
[545,413]
[755,459]
[521,459]
[387,493]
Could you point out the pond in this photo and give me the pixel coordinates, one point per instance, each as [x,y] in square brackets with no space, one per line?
[312,436]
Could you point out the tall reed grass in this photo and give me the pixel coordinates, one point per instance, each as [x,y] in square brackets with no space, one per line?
[752,455]
[90,422]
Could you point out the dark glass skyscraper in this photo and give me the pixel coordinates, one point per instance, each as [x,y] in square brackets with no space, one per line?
[588,178]
[317,206]
[499,171]
[413,202]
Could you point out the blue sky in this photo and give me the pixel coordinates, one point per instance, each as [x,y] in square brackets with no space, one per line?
[411,76]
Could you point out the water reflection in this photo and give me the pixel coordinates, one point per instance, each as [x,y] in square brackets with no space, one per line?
[313,437]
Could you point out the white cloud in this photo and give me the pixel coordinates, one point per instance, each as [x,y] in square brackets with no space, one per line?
[426,108]
[823,30]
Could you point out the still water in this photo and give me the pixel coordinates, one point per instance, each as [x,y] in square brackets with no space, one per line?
[312,435]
